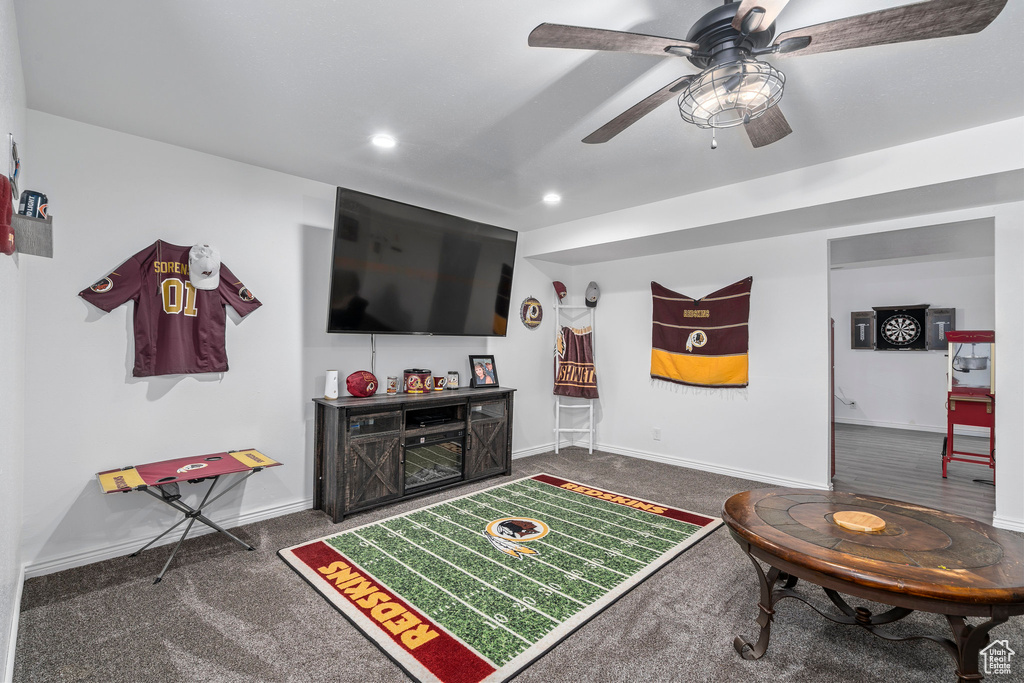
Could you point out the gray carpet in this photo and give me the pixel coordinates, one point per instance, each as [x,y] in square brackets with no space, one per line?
[224,614]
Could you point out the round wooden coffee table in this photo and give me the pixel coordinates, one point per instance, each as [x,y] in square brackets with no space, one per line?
[923,559]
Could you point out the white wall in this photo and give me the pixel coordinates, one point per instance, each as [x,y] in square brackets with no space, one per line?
[1009,251]
[12,353]
[522,357]
[905,389]
[112,195]
[791,279]
[776,429]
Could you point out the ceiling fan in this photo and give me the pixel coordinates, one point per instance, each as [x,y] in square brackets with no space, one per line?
[734,87]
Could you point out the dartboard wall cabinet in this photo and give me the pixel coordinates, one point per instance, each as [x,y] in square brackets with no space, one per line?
[862,330]
[901,328]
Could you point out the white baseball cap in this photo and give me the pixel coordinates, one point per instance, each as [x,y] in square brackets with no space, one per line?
[593,292]
[204,266]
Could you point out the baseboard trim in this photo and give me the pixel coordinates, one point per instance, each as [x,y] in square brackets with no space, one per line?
[715,469]
[127,547]
[536,450]
[1008,524]
[12,645]
[935,429]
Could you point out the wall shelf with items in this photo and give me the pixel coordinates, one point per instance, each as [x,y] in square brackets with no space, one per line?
[33,236]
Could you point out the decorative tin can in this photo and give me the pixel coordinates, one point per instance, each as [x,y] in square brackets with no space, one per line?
[33,204]
[417,381]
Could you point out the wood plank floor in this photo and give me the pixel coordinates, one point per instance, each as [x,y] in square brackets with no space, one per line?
[907,465]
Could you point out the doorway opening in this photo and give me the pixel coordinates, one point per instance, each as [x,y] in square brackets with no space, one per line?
[889,401]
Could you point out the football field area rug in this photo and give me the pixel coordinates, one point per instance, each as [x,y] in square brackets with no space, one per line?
[475,588]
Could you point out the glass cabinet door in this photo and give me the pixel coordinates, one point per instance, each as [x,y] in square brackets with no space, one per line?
[487,445]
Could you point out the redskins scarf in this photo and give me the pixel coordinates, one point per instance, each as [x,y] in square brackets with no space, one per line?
[575,374]
[701,342]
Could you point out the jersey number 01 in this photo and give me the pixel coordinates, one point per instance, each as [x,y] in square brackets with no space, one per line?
[178,297]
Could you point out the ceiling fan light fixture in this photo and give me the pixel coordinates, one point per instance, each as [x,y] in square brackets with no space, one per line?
[731,94]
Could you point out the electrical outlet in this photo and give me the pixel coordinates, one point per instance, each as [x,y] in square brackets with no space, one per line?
[656,433]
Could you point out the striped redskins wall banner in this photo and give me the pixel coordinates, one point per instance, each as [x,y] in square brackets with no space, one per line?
[701,342]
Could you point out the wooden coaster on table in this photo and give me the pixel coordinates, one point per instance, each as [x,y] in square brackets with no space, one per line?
[858,521]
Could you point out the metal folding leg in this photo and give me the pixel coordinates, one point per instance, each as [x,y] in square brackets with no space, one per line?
[191,515]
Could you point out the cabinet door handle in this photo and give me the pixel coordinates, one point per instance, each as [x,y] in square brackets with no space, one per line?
[469,441]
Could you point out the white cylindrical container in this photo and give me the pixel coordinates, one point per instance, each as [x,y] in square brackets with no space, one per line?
[331,385]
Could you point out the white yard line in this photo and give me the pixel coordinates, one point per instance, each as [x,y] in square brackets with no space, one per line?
[490,559]
[592,507]
[442,588]
[460,569]
[593,531]
[584,502]
[570,576]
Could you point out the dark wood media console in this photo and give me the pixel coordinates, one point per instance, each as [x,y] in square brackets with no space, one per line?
[376,450]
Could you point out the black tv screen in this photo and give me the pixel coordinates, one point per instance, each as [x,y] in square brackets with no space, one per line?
[402,269]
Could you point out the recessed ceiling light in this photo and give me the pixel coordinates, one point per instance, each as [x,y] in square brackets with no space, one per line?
[552,198]
[384,141]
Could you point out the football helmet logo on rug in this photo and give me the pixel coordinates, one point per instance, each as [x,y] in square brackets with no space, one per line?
[506,533]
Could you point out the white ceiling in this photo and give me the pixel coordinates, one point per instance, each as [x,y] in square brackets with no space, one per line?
[486,125]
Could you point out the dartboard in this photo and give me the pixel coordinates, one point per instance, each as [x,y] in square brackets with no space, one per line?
[900,329]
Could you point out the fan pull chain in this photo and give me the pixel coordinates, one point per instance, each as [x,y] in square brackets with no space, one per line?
[714,142]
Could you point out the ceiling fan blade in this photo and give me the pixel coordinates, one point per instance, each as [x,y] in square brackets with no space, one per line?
[920,21]
[767,128]
[636,112]
[580,38]
[758,20]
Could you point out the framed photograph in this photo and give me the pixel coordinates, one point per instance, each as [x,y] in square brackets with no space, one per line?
[862,330]
[482,372]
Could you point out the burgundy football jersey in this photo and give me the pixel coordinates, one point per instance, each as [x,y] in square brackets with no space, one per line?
[178,329]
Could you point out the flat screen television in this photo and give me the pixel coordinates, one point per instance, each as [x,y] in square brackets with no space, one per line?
[402,269]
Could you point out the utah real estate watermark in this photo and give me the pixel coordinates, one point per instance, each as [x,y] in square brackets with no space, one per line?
[996,657]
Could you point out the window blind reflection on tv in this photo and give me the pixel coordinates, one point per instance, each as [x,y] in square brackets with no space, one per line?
[402,269]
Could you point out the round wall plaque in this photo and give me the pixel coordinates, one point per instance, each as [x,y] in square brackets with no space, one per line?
[531,312]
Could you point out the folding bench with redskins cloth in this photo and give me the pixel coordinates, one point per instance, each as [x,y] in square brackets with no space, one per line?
[164,477]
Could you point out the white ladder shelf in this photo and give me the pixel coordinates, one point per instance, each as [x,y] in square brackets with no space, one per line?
[562,402]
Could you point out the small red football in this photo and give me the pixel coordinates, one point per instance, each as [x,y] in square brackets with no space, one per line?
[361,383]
